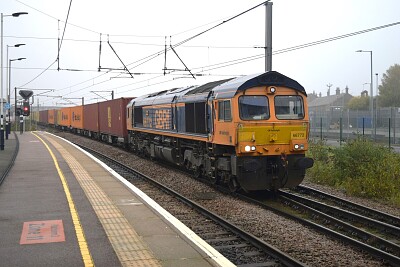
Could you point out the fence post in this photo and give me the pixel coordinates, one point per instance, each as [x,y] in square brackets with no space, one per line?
[389,134]
[363,126]
[394,127]
[320,124]
[340,131]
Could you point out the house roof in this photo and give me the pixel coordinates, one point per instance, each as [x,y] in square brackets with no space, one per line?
[325,101]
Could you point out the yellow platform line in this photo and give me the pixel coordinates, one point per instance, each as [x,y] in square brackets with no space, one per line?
[83,246]
[127,244]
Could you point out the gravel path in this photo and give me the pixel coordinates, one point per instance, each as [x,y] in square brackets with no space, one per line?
[302,243]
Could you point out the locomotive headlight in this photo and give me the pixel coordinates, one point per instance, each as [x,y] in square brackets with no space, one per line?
[253,148]
[272,90]
[302,146]
[296,146]
[247,148]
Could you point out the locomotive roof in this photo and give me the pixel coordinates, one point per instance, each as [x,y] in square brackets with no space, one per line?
[221,89]
[207,87]
[270,78]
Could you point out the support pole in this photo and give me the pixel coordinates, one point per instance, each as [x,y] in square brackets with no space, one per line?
[268,37]
[21,124]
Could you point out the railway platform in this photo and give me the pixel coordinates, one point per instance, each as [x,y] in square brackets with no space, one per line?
[59,206]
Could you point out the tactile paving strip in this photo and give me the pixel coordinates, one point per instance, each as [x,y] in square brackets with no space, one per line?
[127,244]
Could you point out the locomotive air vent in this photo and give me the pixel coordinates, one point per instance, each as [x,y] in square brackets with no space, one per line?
[272,78]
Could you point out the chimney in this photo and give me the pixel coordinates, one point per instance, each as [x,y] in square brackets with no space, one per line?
[329,92]
[337,91]
[347,90]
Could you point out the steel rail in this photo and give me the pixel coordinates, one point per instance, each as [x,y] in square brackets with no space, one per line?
[384,228]
[357,208]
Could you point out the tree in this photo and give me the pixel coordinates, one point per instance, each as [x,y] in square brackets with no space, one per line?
[389,90]
[359,102]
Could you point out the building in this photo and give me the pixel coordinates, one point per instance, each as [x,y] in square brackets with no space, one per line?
[328,109]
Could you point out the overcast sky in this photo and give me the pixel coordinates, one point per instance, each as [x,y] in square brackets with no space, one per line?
[136,31]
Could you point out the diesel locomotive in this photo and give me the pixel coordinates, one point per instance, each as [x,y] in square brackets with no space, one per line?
[250,133]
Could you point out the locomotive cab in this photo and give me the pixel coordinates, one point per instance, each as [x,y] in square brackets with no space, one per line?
[267,125]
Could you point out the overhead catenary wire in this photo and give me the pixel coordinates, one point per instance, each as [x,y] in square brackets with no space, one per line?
[250,58]
[38,74]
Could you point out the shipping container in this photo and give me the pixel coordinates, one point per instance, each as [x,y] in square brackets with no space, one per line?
[77,119]
[51,117]
[43,116]
[57,115]
[112,120]
[91,121]
[65,117]
[34,116]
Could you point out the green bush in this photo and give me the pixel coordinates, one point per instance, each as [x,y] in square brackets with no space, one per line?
[322,170]
[360,167]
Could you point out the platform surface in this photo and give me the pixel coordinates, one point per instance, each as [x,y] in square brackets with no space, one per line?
[59,206]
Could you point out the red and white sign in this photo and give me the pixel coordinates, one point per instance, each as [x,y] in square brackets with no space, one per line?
[42,232]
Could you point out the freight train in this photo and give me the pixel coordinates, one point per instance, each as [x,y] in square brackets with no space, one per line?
[250,133]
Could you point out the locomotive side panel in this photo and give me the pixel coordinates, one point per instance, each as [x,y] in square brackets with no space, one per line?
[224,126]
[157,117]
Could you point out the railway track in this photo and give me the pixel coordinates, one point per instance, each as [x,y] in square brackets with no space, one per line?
[379,238]
[351,206]
[238,246]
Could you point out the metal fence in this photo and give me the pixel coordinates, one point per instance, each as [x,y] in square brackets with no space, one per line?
[343,124]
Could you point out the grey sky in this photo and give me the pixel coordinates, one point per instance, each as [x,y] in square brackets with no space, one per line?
[136,30]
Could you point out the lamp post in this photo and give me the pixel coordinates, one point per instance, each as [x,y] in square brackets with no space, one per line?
[1,97]
[8,115]
[371,103]
[9,86]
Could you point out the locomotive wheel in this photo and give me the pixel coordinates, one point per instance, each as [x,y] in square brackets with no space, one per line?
[233,184]
[197,171]
[214,179]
